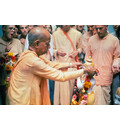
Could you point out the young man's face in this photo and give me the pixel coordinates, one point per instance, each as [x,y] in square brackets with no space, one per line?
[80,28]
[101,30]
[66,28]
[9,32]
[24,30]
[91,28]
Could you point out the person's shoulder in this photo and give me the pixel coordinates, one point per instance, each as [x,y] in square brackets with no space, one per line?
[94,37]
[29,56]
[57,32]
[86,35]
[2,41]
[16,40]
[75,31]
[113,33]
[112,37]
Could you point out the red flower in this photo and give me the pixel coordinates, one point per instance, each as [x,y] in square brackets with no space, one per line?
[13,58]
[85,97]
[87,78]
[74,97]
[77,93]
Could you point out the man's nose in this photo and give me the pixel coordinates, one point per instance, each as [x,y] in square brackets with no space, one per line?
[98,30]
[13,30]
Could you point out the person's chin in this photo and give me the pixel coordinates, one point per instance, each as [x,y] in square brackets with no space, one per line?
[9,38]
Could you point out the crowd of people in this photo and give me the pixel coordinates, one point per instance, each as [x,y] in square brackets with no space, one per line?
[46,60]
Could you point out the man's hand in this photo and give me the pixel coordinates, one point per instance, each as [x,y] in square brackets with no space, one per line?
[115,67]
[75,64]
[90,71]
[73,54]
[61,53]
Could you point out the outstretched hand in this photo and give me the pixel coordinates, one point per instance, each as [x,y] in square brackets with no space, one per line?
[75,64]
[90,71]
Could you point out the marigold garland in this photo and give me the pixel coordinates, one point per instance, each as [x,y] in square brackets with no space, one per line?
[80,97]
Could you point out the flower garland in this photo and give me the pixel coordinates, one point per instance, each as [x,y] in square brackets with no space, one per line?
[10,61]
[80,96]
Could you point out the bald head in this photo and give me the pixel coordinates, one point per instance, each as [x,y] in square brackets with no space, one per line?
[38,33]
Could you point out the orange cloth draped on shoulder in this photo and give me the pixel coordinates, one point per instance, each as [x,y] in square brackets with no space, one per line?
[28,85]
[63,90]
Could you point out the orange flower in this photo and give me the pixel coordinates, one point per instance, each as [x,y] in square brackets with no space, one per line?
[8,68]
[87,84]
[10,54]
[74,102]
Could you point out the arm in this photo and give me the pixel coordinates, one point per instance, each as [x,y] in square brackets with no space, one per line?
[116,57]
[58,65]
[43,70]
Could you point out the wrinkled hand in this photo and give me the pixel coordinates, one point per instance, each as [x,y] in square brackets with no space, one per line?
[73,54]
[90,71]
[75,64]
[61,53]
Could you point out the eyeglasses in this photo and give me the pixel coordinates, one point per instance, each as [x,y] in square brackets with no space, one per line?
[11,28]
[99,28]
[90,26]
[23,27]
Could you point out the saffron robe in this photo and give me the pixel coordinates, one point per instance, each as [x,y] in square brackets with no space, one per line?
[28,84]
[104,53]
[63,90]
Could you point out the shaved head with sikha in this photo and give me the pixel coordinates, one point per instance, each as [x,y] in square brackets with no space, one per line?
[39,40]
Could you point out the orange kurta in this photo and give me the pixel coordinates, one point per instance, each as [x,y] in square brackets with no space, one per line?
[63,90]
[28,83]
[103,52]
[85,39]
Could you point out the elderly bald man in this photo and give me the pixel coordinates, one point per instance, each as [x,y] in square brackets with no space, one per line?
[28,83]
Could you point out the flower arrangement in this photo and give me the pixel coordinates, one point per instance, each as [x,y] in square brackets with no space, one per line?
[83,94]
[76,95]
[10,61]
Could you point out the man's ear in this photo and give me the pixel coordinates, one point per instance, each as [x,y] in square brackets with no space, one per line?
[36,43]
[4,28]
